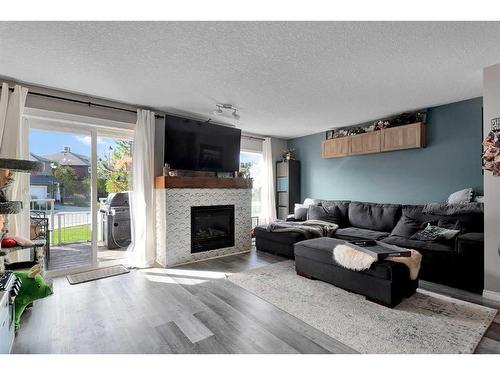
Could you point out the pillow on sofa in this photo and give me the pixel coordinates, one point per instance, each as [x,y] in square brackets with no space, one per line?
[319,213]
[449,224]
[461,196]
[311,201]
[434,233]
[381,217]
[338,208]
[300,212]
[406,227]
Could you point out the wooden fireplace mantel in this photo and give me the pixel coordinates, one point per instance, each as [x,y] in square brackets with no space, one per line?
[186,182]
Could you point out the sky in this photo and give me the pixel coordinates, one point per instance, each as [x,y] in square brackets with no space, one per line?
[246,157]
[44,142]
[47,142]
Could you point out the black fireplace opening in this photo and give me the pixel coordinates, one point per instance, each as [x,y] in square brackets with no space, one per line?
[212,227]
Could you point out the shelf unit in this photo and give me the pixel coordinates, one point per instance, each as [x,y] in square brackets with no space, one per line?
[287,187]
[391,139]
[7,167]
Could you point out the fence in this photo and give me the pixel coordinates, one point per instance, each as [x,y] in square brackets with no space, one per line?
[67,226]
[71,227]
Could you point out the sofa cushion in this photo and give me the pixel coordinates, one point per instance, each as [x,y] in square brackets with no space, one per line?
[321,250]
[406,226]
[418,245]
[332,215]
[412,215]
[352,233]
[284,237]
[341,207]
[470,215]
[470,244]
[435,233]
[374,216]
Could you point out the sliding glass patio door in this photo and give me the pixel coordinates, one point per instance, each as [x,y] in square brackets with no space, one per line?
[62,193]
[83,190]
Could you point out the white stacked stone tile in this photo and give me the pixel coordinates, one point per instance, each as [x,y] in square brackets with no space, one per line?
[173,222]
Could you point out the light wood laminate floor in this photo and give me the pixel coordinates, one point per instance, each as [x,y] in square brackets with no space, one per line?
[186,309]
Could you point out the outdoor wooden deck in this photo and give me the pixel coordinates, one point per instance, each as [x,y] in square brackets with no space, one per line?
[78,255]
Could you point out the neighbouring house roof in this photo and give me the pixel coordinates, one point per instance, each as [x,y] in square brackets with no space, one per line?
[67,157]
[34,157]
[46,170]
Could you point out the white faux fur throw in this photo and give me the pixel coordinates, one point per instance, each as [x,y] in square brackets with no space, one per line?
[356,260]
[351,258]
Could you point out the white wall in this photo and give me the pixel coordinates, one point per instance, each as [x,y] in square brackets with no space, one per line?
[491,103]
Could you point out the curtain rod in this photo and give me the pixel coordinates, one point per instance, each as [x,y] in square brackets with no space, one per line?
[82,102]
[252,137]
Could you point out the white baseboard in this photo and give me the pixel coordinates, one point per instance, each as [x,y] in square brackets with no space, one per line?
[488,294]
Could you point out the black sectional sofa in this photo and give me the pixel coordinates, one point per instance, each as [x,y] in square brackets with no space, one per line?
[457,263]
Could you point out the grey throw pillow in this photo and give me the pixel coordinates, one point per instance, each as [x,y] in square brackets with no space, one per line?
[319,213]
[434,233]
[406,227]
[300,212]
[461,196]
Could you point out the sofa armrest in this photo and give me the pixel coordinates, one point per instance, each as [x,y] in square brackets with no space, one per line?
[470,243]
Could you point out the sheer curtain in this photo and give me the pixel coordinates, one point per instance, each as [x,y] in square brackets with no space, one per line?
[14,144]
[142,202]
[268,212]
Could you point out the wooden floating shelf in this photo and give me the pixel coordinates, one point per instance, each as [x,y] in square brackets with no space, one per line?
[185,182]
[391,139]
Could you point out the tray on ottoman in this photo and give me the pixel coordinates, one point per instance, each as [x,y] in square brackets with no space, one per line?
[380,250]
[385,282]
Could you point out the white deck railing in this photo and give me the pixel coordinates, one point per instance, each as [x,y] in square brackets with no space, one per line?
[67,226]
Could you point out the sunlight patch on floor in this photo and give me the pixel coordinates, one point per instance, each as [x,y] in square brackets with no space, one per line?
[182,276]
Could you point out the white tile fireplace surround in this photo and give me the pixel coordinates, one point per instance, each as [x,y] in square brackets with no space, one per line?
[173,222]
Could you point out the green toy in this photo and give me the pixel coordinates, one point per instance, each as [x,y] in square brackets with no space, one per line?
[33,287]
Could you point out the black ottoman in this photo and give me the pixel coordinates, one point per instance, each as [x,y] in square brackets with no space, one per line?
[386,282]
[276,243]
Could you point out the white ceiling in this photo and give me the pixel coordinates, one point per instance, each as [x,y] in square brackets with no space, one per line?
[289,78]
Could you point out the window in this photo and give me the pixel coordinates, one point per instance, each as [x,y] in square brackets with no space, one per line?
[251,166]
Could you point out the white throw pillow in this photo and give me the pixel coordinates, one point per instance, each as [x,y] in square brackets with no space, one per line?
[300,212]
[461,196]
[310,202]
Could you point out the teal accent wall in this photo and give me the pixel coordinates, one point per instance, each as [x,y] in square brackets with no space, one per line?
[451,161]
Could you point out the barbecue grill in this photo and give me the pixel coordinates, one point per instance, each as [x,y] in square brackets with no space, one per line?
[116,221]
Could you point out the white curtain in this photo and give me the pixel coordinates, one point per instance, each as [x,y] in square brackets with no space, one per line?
[14,144]
[268,211]
[142,202]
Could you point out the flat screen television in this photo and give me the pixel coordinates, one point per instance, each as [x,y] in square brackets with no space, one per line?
[201,146]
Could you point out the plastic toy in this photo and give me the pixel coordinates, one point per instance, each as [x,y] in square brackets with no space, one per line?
[33,287]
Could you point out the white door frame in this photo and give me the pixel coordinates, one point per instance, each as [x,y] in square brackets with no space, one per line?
[64,122]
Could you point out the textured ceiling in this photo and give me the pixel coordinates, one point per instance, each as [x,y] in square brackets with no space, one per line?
[288,78]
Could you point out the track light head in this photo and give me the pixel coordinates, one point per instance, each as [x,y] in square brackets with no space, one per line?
[221,108]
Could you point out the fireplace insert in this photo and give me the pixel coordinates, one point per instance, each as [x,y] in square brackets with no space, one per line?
[212,227]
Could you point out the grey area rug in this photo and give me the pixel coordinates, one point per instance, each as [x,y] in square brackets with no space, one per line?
[99,273]
[424,323]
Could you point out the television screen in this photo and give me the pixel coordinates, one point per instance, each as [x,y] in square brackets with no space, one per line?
[200,146]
